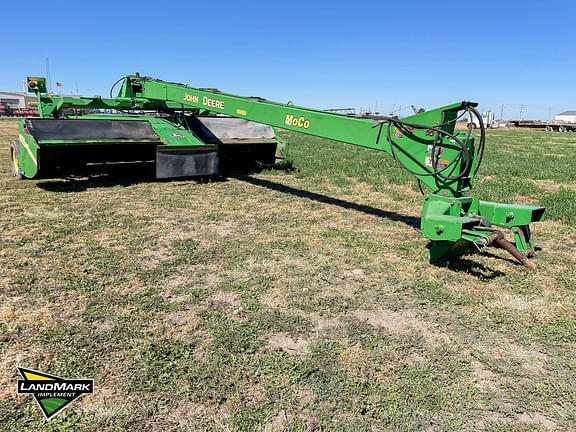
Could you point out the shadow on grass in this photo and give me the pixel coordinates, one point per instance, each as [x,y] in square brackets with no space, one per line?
[461,264]
[476,269]
[105,176]
[129,173]
[412,221]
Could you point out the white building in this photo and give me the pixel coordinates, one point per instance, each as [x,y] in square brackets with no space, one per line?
[566,116]
[18,99]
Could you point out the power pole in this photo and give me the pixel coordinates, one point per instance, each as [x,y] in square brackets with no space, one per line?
[501,111]
[48,75]
[521,112]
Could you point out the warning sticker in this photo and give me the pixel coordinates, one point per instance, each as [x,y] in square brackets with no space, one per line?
[440,163]
[439,149]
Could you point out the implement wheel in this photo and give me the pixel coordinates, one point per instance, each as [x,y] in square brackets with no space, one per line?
[14,155]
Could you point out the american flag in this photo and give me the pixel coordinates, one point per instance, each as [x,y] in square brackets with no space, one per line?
[59,84]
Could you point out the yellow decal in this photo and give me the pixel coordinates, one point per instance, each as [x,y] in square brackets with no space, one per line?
[299,122]
[190,98]
[239,111]
[36,377]
[212,103]
[25,145]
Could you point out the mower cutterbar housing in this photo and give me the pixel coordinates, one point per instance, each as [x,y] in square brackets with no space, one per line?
[205,146]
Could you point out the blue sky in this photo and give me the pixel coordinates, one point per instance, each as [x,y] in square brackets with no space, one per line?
[322,54]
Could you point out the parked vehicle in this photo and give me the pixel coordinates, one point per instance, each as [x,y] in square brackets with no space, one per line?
[548,126]
[5,110]
[487,119]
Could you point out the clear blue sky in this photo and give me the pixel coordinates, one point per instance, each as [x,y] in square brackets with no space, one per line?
[322,54]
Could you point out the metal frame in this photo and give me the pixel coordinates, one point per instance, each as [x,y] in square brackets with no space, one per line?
[450,219]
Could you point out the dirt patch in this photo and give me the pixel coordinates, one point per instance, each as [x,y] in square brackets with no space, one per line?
[402,322]
[227,300]
[483,379]
[189,415]
[326,323]
[539,420]
[491,417]
[14,317]
[552,186]
[222,229]
[152,257]
[176,324]
[277,422]
[288,344]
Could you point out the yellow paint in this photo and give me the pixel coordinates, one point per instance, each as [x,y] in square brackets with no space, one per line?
[25,145]
[239,111]
[299,122]
[33,376]
[15,161]
[190,98]
[212,103]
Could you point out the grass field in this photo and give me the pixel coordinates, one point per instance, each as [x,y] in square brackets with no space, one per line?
[297,300]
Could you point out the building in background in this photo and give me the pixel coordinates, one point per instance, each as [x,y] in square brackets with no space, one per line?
[566,116]
[19,100]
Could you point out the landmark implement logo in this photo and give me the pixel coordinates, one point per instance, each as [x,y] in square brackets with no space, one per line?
[52,393]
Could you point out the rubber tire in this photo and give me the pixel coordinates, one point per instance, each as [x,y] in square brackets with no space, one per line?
[15,150]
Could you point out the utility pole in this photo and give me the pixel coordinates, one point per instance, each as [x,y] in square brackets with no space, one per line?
[48,76]
[24,86]
[501,112]
[521,112]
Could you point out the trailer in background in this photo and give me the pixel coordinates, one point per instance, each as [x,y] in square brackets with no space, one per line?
[548,126]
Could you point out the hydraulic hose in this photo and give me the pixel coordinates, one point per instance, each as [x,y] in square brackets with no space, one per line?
[464,152]
[114,85]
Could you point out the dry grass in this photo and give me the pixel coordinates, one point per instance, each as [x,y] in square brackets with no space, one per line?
[295,301]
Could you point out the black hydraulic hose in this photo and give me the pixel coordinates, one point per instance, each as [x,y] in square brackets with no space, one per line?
[453,121]
[433,173]
[436,172]
[114,85]
[482,143]
[401,125]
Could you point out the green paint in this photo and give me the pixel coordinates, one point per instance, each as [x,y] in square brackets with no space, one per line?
[52,405]
[451,220]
